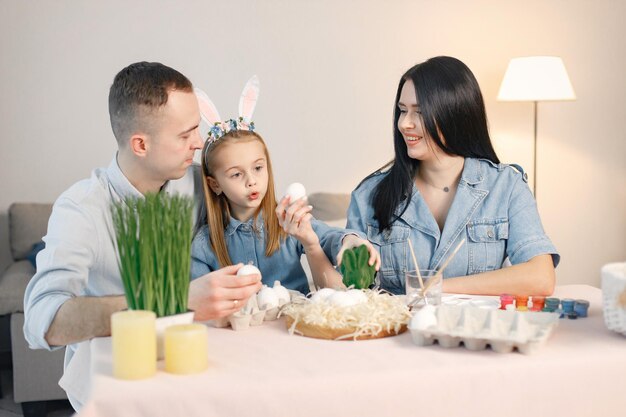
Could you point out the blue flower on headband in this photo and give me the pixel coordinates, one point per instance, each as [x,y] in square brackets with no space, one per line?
[216,131]
[219,129]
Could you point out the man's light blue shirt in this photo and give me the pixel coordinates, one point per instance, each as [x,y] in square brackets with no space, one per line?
[79,258]
[493,209]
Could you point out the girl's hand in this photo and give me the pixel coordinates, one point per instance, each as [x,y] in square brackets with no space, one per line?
[295,219]
[353,241]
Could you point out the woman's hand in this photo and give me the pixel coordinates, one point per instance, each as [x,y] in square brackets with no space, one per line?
[221,293]
[295,219]
[353,241]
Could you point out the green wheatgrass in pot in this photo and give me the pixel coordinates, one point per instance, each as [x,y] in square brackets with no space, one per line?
[153,236]
[355,268]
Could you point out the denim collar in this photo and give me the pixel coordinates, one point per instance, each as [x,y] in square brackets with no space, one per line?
[234,225]
[472,171]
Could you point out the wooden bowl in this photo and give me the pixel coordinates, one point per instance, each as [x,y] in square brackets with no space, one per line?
[319,332]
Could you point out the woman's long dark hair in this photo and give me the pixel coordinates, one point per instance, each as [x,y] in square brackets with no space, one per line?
[451,103]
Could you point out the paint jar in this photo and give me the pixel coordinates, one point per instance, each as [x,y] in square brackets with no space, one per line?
[521,302]
[551,304]
[506,299]
[538,302]
[568,305]
[567,309]
[581,307]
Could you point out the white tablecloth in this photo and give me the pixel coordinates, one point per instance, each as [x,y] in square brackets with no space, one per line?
[581,371]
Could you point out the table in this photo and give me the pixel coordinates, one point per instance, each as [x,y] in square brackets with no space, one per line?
[264,371]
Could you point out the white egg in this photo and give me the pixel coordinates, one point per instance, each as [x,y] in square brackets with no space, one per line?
[282,293]
[248,270]
[295,191]
[266,298]
[357,295]
[425,318]
[322,295]
[341,299]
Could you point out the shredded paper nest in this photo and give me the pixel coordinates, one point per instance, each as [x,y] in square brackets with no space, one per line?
[381,316]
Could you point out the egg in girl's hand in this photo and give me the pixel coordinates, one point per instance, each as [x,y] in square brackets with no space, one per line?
[295,192]
[248,270]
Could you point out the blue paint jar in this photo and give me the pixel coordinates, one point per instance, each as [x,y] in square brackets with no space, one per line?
[551,304]
[581,307]
[568,305]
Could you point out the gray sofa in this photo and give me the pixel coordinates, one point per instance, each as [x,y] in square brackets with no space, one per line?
[36,373]
[330,208]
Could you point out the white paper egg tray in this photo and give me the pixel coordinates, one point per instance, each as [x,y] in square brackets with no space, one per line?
[252,314]
[478,328]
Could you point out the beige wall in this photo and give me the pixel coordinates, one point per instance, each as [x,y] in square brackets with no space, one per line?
[328,72]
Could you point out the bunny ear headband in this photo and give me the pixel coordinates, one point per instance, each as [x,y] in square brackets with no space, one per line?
[218,128]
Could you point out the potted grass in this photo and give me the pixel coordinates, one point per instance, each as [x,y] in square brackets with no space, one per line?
[153,240]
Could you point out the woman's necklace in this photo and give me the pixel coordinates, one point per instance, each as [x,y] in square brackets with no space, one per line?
[445,189]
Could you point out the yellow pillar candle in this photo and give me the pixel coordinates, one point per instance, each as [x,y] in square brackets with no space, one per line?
[186,348]
[134,344]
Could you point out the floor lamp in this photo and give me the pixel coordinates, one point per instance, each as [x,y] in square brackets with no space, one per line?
[536,78]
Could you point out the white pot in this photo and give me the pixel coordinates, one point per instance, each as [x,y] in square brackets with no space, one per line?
[163,323]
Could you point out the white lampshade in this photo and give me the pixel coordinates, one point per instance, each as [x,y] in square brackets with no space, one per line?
[536,78]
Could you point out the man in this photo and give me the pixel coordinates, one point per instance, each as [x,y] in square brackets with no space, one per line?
[155,117]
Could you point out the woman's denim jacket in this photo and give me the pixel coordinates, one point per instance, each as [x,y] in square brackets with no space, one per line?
[493,209]
[246,244]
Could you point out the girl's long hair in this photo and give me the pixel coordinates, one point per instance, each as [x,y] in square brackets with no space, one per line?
[452,107]
[218,210]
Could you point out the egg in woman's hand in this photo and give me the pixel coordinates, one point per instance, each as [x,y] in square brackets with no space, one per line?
[295,192]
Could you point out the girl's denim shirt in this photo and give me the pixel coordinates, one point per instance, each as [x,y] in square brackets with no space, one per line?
[493,209]
[246,244]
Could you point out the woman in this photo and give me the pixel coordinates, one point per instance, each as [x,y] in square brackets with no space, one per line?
[446,184]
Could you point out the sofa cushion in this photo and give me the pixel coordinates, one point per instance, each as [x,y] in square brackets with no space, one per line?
[329,206]
[13,282]
[28,223]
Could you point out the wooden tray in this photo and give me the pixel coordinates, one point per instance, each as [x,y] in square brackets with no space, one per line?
[318,332]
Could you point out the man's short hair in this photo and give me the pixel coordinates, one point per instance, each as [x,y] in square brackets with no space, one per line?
[138,91]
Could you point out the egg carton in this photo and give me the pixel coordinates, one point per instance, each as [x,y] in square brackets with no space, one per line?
[614,296]
[477,328]
[264,306]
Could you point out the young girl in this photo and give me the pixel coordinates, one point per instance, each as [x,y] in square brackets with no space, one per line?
[244,223]
[446,184]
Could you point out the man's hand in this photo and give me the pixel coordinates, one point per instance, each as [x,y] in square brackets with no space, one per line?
[221,293]
[353,241]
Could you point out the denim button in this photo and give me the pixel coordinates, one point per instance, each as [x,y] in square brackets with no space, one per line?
[490,233]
